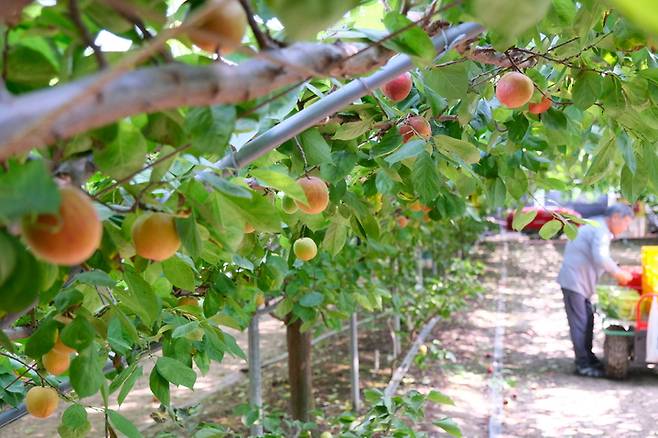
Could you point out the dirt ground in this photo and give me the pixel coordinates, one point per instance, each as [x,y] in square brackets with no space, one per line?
[531,392]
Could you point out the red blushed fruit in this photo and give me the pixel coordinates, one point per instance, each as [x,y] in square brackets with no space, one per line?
[415,125]
[399,88]
[541,107]
[514,89]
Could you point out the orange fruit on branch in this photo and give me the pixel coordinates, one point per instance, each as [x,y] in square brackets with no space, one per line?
[541,107]
[317,195]
[41,402]
[415,125]
[56,363]
[514,89]
[155,236]
[222,28]
[399,88]
[69,237]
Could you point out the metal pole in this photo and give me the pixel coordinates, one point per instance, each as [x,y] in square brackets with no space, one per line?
[255,388]
[338,100]
[354,365]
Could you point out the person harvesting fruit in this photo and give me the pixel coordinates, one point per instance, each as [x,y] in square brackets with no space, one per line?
[586,258]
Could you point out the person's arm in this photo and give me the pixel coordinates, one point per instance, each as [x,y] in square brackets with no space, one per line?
[601,252]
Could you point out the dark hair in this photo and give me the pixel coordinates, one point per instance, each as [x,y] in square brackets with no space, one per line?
[622,210]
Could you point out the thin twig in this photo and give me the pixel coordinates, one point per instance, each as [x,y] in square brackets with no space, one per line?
[137,172]
[263,42]
[301,151]
[76,17]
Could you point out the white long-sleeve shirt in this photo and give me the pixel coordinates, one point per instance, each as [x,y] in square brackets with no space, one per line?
[586,258]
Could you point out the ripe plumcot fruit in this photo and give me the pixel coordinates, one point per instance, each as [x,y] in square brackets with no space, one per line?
[69,237]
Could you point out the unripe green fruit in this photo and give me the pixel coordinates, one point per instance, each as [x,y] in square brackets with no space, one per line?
[326,434]
[305,249]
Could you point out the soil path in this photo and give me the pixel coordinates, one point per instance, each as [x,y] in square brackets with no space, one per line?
[540,394]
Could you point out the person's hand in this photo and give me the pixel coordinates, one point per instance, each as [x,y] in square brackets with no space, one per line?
[623,277]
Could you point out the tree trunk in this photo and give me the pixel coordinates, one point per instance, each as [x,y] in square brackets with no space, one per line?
[299,370]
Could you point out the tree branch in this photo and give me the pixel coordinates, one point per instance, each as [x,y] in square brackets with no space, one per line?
[263,41]
[163,87]
[488,55]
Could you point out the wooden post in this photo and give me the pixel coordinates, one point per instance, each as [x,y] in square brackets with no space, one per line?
[299,370]
[255,386]
[354,363]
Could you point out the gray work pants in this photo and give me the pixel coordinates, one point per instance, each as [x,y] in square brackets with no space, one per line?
[581,326]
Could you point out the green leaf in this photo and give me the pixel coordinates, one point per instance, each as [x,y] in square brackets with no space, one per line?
[224,186]
[42,339]
[95,277]
[165,128]
[123,425]
[510,19]
[311,299]
[79,334]
[159,387]
[34,178]
[159,170]
[601,162]
[28,66]
[303,20]
[74,423]
[449,425]
[570,230]
[179,273]
[550,229]
[389,142]
[414,41]
[86,372]
[438,397]
[258,212]
[465,150]
[425,177]
[587,89]
[408,150]
[316,148]
[352,130]
[523,218]
[129,384]
[176,372]
[139,298]
[641,12]
[124,155]
[189,234]
[280,181]
[450,82]
[335,237]
[210,128]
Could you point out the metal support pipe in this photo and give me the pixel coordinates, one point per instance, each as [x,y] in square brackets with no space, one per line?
[354,363]
[255,384]
[338,100]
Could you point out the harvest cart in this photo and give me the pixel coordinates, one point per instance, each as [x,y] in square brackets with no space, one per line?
[626,341]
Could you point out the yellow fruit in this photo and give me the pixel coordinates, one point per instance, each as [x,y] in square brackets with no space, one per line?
[56,363]
[317,195]
[248,228]
[305,248]
[62,348]
[260,299]
[68,238]
[155,236]
[41,402]
[222,28]
[514,89]
[422,350]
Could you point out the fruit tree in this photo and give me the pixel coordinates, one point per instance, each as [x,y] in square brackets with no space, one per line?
[168,167]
